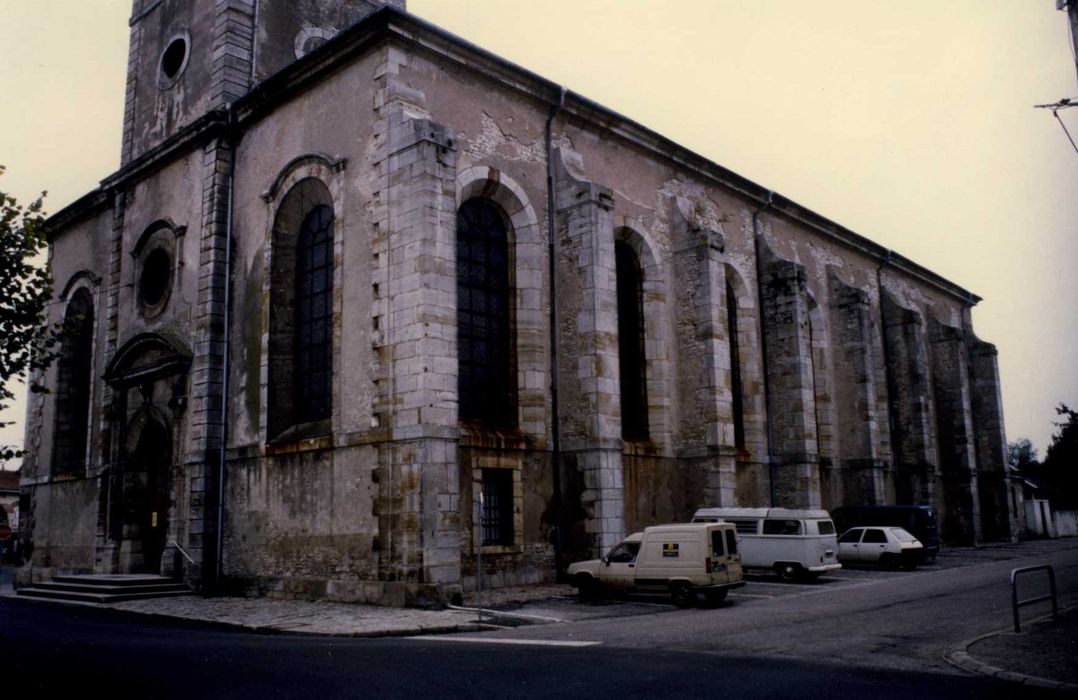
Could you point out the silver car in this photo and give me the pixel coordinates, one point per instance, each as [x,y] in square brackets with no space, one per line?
[886,545]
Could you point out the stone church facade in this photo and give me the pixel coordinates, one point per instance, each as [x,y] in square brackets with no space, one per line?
[355,273]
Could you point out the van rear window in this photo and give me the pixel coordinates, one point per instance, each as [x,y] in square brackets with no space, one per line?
[826,527]
[731,543]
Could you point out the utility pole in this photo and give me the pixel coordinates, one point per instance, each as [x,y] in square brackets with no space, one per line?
[1071,6]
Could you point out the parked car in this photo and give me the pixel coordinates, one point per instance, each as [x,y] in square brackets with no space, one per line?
[919,521]
[676,560]
[796,544]
[890,546]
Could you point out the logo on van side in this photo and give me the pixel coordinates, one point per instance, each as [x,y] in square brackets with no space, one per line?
[670,549]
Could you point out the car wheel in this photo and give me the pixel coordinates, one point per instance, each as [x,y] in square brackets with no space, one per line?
[889,561]
[788,571]
[682,594]
[715,597]
[586,587]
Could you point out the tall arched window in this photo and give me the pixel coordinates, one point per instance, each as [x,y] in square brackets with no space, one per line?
[73,386]
[313,374]
[484,383]
[301,314]
[632,360]
[737,397]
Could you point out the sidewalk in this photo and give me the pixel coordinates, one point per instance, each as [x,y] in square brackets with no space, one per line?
[1044,653]
[324,618]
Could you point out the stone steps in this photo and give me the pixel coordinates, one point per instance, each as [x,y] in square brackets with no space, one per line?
[105,588]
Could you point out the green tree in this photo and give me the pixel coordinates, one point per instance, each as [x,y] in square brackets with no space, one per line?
[1021,454]
[27,343]
[1061,459]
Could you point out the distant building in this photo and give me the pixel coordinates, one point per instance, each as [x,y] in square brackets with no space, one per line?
[375,272]
[9,505]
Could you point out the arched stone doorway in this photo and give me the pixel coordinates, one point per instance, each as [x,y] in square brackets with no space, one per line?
[144,518]
[147,495]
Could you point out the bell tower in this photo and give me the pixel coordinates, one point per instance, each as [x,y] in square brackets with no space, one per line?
[188,57]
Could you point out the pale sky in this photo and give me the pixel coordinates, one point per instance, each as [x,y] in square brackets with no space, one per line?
[909,122]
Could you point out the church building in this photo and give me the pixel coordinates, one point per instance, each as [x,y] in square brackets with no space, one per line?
[365,302]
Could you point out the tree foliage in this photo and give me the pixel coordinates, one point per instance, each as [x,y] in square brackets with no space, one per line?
[1061,459]
[1021,454]
[27,343]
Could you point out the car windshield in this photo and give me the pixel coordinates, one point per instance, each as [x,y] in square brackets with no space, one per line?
[902,536]
[624,553]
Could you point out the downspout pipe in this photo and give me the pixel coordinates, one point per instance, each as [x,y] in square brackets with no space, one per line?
[757,242]
[231,140]
[555,415]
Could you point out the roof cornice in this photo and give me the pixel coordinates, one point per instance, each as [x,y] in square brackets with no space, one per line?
[392,24]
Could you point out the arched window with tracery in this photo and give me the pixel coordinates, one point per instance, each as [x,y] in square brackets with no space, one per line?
[314,316]
[74,368]
[484,347]
[631,357]
[301,314]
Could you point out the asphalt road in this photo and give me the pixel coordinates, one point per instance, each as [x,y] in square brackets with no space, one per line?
[893,620]
[51,651]
[856,634]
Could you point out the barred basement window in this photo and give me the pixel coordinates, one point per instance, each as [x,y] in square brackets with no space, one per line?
[73,386]
[496,515]
[484,379]
[312,376]
[634,400]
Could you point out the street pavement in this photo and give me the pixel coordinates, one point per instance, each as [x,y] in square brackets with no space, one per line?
[1044,654]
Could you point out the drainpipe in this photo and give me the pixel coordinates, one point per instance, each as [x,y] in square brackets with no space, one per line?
[892,392]
[555,416]
[232,142]
[756,238]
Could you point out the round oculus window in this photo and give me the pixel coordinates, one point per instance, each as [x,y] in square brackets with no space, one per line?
[173,61]
[156,278]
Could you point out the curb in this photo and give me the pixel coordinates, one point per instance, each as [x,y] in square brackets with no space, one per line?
[959,657]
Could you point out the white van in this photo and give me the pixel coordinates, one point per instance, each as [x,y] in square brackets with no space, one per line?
[678,560]
[796,544]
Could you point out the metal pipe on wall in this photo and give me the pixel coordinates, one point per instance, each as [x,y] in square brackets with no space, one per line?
[555,428]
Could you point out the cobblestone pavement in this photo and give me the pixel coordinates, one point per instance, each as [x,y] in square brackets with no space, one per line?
[296,616]
[292,616]
[511,595]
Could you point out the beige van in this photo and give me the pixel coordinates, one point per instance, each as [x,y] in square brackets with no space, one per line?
[798,545]
[676,560]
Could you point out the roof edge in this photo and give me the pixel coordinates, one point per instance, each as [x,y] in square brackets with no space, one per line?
[392,23]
